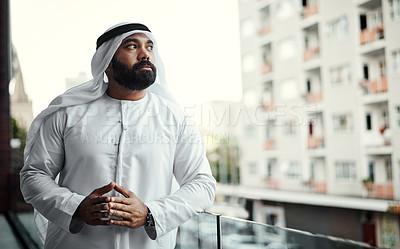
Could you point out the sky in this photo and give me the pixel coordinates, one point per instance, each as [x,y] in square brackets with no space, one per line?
[198,43]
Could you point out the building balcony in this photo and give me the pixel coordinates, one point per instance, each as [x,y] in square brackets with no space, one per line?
[266,30]
[375,86]
[371,35]
[315,142]
[271,183]
[266,68]
[310,54]
[269,145]
[310,10]
[269,107]
[313,97]
[379,190]
[317,187]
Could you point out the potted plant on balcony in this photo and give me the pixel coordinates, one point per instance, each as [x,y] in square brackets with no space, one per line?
[368,183]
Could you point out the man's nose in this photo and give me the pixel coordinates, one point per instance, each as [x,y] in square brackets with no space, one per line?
[143,55]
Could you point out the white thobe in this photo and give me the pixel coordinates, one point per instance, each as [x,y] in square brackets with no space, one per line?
[141,145]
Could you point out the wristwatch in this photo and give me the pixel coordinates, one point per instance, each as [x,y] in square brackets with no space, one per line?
[150,226]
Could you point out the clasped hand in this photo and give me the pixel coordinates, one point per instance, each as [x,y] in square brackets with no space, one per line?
[97,209]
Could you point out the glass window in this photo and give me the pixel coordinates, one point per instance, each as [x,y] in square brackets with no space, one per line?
[247,28]
[396,60]
[285,9]
[287,49]
[293,170]
[345,171]
[398,115]
[394,9]
[340,74]
[249,63]
[338,29]
[342,122]
[252,168]
[290,128]
[289,89]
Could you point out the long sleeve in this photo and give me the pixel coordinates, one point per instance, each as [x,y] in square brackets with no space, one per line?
[37,177]
[197,185]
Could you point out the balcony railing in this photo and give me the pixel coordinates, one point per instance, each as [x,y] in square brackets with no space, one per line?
[266,30]
[269,145]
[376,86]
[271,183]
[311,53]
[266,68]
[370,35]
[315,142]
[204,231]
[310,10]
[379,190]
[313,97]
[214,231]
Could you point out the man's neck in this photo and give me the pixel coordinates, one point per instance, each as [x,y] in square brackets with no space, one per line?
[117,91]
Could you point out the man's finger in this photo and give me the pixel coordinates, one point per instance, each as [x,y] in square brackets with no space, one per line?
[105,189]
[124,223]
[122,200]
[121,214]
[125,192]
[99,200]
[100,207]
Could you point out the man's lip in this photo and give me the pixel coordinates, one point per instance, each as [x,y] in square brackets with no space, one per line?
[145,67]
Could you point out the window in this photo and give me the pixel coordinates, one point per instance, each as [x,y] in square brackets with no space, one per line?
[289,89]
[394,9]
[342,122]
[345,171]
[396,60]
[368,122]
[340,74]
[253,168]
[287,49]
[268,172]
[247,28]
[293,170]
[338,29]
[285,9]
[249,63]
[398,115]
[290,128]
[388,166]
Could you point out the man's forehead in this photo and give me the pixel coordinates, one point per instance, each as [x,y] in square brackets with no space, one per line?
[138,36]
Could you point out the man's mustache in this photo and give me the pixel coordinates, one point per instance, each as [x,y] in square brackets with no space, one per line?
[143,63]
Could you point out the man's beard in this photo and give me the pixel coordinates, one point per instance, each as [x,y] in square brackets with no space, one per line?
[133,78]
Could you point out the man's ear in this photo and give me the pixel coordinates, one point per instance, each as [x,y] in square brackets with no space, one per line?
[109,68]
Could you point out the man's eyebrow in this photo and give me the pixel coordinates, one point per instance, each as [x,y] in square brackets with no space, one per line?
[136,40]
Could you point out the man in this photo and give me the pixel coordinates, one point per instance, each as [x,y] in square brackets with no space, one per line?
[117,148]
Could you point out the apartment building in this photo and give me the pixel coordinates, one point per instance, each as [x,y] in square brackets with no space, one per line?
[320,150]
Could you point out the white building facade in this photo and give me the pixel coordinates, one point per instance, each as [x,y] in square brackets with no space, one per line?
[321,81]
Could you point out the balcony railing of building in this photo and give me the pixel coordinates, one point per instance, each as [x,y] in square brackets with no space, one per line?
[371,35]
[210,231]
[379,190]
[309,10]
[265,30]
[214,231]
[269,144]
[311,53]
[313,97]
[314,142]
[266,68]
[375,86]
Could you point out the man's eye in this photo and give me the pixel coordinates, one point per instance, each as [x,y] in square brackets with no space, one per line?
[150,48]
[131,46]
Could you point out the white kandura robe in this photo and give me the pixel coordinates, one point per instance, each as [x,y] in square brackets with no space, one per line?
[140,145]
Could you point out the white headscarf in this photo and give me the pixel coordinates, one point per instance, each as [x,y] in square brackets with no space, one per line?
[92,90]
